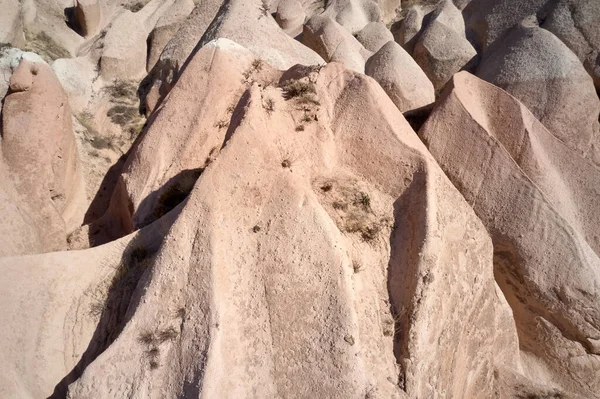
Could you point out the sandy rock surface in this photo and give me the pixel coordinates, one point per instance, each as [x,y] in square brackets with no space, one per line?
[536,67]
[299,199]
[41,155]
[531,177]
[401,77]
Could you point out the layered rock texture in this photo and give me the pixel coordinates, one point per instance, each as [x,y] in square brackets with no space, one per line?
[299,199]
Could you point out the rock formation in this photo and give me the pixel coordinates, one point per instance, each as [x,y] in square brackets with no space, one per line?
[537,199]
[537,68]
[40,155]
[297,198]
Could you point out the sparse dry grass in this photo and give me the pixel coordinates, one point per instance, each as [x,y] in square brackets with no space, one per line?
[125,109]
[298,88]
[326,187]
[134,7]
[222,124]
[123,115]
[264,8]
[269,105]
[45,46]
[122,91]
[168,334]
[152,340]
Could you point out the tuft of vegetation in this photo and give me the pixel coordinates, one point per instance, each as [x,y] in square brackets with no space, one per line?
[153,355]
[123,115]
[367,230]
[169,334]
[134,7]
[125,110]
[298,88]
[257,64]
[256,228]
[45,46]
[255,67]
[101,142]
[97,308]
[269,105]
[4,46]
[300,128]
[147,338]
[264,8]
[121,90]
[222,124]
[306,117]
[357,266]
[327,187]
[340,206]
[286,163]
[363,200]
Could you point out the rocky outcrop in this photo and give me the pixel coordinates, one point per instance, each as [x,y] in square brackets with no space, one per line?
[401,78]
[290,16]
[41,157]
[488,20]
[537,68]
[124,55]
[537,199]
[353,15]
[389,10]
[374,35]
[312,249]
[246,24]
[172,59]
[10,58]
[407,31]
[575,23]
[88,16]
[167,26]
[193,127]
[334,43]
[442,48]
[11,27]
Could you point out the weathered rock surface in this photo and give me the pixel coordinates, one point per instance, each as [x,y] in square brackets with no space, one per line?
[166,27]
[576,24]
[275,227]
[193,127]
[353,15]
[537,68]
[88,16]
[310,251]
[10,59]
[245,23]
[334,43]
[442,48]
[389,9]
[374,35]
[124,55]
[41,156]
[11,27]
[401,78]
[489,20]
[537,198]
[172,59]
[290,16]
[408,29]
